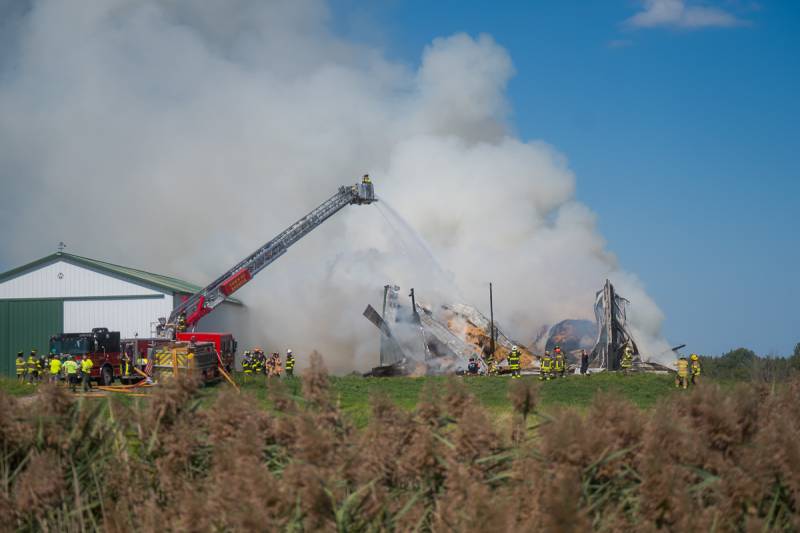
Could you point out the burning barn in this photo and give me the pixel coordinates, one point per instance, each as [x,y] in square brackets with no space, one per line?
[418,339]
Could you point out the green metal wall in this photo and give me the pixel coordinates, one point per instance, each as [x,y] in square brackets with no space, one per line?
[26,324]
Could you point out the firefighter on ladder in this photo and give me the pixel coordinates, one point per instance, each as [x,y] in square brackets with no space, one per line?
[694,368]
[545,366]
[20,366]
[514,362]
[182,322]
[627,360]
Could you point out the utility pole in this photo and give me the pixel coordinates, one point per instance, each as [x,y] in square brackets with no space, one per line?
[491,314]
[414,304]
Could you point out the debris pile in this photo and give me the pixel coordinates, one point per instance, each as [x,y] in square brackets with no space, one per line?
[418,339]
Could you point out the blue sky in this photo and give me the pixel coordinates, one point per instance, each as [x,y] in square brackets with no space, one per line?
[680,125]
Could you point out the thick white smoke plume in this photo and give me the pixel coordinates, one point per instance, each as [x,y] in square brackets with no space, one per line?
[177,136]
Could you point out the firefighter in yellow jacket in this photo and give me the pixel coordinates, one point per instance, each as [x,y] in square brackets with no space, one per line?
[289,363]
[626,363]
[682,377]
[559,364]
[514,362]
[21,366]
[86,372]
[31,367]
[694,368]
[545,366]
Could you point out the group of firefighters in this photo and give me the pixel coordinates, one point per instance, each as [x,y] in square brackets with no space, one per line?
[555,365]
[550,365]
[688,371]
[256,362]
[55,368]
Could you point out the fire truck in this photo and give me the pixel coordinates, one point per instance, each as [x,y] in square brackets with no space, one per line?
[100,345]
[176,335]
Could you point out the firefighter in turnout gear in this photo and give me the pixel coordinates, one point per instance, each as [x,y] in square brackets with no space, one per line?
[492,367]
[559,364]
[20,366]
[682,377]
[125,365]
[626,363]
[181,322]
[41,366]
[694,368]
[514,362]
[289,363]
[247,365]
[31,365]
[545,366]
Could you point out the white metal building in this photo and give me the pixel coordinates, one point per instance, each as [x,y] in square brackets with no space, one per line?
[67,293]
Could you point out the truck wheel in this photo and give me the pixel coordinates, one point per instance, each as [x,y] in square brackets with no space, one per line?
[106,376]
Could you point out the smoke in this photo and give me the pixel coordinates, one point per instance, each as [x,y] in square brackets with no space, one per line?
[177,136]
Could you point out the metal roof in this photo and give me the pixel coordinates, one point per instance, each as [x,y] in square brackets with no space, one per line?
[159,281]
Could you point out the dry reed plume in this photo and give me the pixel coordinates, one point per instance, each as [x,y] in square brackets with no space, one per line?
[709,460]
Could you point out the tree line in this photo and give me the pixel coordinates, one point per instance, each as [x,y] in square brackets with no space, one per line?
[744,364]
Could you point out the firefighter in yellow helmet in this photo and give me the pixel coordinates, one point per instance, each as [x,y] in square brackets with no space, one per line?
[694,368]
[682,377]
[545,366]
[514,362]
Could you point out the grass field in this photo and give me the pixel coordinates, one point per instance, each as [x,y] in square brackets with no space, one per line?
[354,393]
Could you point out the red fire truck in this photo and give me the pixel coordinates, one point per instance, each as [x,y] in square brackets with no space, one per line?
[223,342]
[101,346]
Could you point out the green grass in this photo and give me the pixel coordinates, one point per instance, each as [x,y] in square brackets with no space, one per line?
[354,393]
[13,387]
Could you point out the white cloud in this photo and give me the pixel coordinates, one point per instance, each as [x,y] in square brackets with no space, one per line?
[680,14]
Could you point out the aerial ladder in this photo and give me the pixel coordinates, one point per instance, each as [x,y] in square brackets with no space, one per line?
[189,312]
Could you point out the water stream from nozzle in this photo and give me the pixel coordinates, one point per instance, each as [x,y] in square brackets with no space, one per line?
[417,248]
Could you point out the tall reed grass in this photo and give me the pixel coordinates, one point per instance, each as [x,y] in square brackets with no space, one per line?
[709,460]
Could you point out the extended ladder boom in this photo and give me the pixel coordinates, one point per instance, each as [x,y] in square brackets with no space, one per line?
[204,301]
